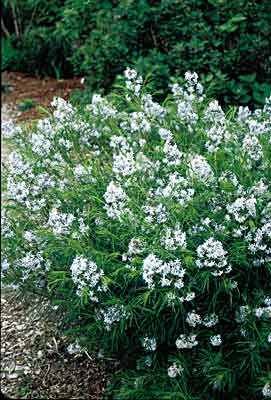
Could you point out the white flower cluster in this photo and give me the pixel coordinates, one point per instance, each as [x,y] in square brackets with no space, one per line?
[18,166]
[173,156]
[81,171]
[29,263]
[59,222]
[165,134]
[155,214]
[200,169]
[64,111]
[6,226]
[259,244]
[112,314]
[185,98]
[115,199]
[266,390]
[124,164]
[9,129]
[149,344]
[139,122]
[4,267]
[242,209]
[74,348]
[133,81]
[176,187]
[193,319]
[87,275]
[102,108]
[186,341]
[151,108]
[174,238]
[214,114]
[165,274]
[212,256]
[216,340]
[135,247]
[174,370]
[217,135]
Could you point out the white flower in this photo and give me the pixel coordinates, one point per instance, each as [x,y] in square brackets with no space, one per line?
[29,236]
[135,247]
[210,320]
[165,274]
[149,344]
[252,147]
[174,370]
[151,108]
[186,341]
[242,208]
[133,81]
[124,164]
[174,239]
[9,129]
[200,168]
[115,200]
[266,390]
[112,314]
[211,255]
[242,313]
[193,319]
[74,348]
[60,222]
[87,275]
[216,340]
[165,134]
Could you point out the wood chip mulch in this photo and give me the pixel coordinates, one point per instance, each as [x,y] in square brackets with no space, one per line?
[35,360]
[20,86]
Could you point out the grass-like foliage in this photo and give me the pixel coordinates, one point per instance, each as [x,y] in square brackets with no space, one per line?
[150,225]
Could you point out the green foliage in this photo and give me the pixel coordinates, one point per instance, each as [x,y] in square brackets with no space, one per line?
[149,226]
[9,54]
[227,42]
[25,104]
[29,27]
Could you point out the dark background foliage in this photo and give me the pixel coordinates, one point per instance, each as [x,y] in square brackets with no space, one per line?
[226,41]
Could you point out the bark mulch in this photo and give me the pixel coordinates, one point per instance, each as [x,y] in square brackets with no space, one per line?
[20,86]
[35,360]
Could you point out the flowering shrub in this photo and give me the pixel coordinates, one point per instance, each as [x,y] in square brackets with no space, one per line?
[150,225]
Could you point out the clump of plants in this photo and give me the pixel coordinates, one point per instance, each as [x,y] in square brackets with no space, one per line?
[26,104]
[150,225]
[226,41]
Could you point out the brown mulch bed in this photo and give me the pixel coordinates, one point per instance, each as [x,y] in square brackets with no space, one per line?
[35,361]
[41,91]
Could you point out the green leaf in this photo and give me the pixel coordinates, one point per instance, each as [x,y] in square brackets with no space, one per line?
[232,24]
[248,78]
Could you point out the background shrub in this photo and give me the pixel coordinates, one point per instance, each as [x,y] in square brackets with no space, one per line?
[227,42]
[149,225]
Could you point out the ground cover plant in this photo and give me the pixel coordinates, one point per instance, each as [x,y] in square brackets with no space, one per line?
[149,224]
[226,41]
